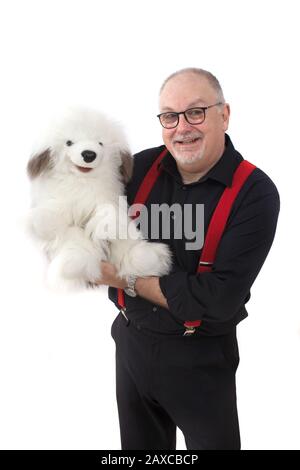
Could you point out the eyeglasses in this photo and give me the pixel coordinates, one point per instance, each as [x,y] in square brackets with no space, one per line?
[170,120]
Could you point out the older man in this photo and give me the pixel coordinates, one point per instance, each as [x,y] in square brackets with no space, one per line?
[166,377]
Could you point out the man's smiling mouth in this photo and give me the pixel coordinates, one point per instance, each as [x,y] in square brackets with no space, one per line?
[187,141]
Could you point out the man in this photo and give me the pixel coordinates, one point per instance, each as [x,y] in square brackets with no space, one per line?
[165,378]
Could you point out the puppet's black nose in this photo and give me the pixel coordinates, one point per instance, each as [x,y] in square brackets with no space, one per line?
[88,156]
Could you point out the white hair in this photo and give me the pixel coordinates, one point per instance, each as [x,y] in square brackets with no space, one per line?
[213,81]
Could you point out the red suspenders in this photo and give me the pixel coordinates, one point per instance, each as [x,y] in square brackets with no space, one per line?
[216,226]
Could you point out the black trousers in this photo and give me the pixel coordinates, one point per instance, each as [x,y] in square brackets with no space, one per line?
[167,381]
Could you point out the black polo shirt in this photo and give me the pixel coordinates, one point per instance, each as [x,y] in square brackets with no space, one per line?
[217,298]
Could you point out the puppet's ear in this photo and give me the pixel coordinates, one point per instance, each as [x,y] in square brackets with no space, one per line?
[126,168]
[39,163]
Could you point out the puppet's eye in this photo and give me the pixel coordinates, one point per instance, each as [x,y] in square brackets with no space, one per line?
[100,143]
[69,143]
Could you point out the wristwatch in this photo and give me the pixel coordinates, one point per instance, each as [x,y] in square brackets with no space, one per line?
[130,290]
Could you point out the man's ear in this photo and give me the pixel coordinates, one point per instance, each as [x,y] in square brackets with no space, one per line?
[39,163]
[126,168]
[225,116]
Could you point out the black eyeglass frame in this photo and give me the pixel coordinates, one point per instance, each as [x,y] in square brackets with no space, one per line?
[203,108]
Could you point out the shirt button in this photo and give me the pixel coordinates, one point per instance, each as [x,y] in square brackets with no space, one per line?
[154,309]
[184,188]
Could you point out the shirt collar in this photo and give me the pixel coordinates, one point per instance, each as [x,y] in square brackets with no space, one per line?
[222,171]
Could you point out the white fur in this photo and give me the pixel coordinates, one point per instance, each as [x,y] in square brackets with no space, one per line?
[69,207]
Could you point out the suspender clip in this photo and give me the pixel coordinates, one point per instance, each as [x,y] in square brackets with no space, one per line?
[122,311]
[189,330]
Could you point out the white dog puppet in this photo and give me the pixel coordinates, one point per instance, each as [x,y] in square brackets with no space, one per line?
[78,173]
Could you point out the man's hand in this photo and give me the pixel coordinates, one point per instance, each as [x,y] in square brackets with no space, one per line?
[109,277]
[146,287]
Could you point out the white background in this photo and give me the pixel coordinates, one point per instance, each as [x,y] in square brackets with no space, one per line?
[56,354]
